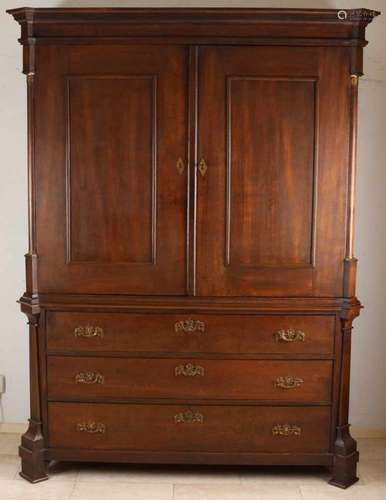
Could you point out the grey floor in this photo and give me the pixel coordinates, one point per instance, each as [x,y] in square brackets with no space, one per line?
[126,482]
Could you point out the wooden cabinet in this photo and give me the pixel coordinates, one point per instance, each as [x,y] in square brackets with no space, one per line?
[190,273]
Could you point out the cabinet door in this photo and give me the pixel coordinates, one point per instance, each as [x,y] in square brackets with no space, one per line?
[111,202]
[273,131]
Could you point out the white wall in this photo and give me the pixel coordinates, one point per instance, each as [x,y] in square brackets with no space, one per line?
[368,399]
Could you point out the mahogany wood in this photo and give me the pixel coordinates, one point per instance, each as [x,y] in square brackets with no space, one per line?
[163,333]
[191,195]
[183,379]
[250,241]
[223,428]
[126,235]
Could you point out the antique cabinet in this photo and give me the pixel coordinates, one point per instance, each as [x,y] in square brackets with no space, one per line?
[190,274]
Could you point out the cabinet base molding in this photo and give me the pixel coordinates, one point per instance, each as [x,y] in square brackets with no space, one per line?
[204,458]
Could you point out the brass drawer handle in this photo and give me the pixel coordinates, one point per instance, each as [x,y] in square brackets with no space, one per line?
[91,427]
[189,417]
[288,382]
[89,331]
[189,370]
[290,335]
[89,378]
[189,326]
[286,430]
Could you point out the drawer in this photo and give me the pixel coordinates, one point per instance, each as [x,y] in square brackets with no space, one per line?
[85,377]
[181,428]
[200,333]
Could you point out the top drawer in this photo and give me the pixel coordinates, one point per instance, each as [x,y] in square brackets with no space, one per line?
[193,333]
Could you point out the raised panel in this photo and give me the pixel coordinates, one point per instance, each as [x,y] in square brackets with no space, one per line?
[111,127]
[271,129]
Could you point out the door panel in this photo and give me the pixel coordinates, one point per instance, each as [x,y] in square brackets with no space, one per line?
[114,184]
[270,135]
[272,202]
[112,166]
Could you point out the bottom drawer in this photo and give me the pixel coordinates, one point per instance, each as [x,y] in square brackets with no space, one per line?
[196,428]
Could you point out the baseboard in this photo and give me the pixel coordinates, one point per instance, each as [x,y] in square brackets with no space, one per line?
[13,428]
[357,432]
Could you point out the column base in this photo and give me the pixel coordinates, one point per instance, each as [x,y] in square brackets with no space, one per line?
[344,467]
[344,470]
[32,454]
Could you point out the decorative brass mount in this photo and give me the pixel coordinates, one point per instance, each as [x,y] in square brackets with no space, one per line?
[286,430]
[288,382]
[189,417]
[189,370]
[89,331]
[290,335]
[189,326]
[202,167]
[89,378]
[180,166]
[91,427]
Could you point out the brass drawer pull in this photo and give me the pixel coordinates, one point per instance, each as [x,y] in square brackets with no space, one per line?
[286,430]
[189,326]
[189,417]
[89,378]
[290,335]
[288,382]
[91,427]
[89,331]
[189,370]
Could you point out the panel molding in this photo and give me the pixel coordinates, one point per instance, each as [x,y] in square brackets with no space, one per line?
[154,135]
[228,210]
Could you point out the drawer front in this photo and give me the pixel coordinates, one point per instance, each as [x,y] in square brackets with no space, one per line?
[84,377]
[201,333]
[181,428]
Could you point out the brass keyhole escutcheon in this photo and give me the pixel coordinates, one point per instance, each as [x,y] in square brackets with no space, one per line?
[180,166]
[202,167]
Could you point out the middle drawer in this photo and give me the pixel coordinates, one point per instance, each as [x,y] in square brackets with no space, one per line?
[120,378]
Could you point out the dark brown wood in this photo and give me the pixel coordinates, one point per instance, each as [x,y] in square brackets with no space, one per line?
[187,457]
[33,441]
[186,379]
[140,427]
[185,304]
[193,333]
[283,26]
[125,235]
[191,225]
[124,192]
[264,201]
[192,160]
[346,455]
